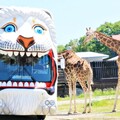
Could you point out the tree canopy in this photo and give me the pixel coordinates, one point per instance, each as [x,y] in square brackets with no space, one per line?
[94,45]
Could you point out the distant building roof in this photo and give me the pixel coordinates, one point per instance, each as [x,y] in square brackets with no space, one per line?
[92,56]
[113,59]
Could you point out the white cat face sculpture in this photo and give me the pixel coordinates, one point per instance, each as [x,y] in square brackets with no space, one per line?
[26,32]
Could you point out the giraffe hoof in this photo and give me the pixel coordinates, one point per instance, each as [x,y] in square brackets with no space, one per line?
[75,112]
[113,110]
[83,112]
[89,111]
[69,113]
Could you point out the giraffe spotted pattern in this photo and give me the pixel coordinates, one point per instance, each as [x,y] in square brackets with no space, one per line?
[111,43]
[77,69]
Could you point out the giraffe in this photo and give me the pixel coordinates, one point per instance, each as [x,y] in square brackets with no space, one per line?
[77,69]
[113,44]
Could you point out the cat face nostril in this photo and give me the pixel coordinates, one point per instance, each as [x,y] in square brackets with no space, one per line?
[25,42]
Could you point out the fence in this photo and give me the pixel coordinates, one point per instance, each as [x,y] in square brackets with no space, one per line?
[105,69]
[105,75]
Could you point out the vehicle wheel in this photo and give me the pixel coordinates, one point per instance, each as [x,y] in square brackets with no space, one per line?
[41,117]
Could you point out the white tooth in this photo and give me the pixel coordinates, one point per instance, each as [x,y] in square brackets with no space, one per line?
[36,84]
[34,54]
[4,84]
[40,54]
[9,83]
[28,54]
[15,84]
[46,53]
[31,84]
[10,53]
[20,84]
[22,54]
[26,84]
[4,52]
[0,83]
[1,51]
[43,85]
[16,53]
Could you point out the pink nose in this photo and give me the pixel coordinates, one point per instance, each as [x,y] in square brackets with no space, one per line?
[25,42]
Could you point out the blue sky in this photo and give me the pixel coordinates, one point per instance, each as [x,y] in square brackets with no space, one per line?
[71,17]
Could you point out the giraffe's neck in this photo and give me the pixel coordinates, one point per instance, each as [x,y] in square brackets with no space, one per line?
[108,41]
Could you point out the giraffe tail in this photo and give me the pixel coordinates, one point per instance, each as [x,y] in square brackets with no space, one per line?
[92,83]
[91,77]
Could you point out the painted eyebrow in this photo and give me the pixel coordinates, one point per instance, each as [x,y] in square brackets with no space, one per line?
[35,25]
[8,24]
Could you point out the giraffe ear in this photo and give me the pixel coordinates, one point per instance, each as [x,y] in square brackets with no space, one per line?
[89,28]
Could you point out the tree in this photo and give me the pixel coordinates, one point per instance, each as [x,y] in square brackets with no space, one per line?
[94,45]
[60,48]
[73,44]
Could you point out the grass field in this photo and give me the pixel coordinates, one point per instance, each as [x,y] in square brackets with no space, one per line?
[98,106]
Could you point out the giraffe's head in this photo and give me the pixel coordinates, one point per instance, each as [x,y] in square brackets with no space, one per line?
[89,35]
[67,54]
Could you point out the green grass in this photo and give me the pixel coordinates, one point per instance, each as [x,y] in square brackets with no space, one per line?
[105,92]
[96,93]
[104,106]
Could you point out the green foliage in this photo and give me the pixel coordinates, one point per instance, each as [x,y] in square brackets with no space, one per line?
[108,29]
[81,46]
[94,45]
[60,48]
[72,44]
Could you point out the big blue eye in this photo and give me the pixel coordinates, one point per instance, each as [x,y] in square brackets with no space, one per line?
[39,30]
[9,28]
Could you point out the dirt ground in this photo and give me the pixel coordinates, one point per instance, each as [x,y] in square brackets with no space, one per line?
[64,116]
[80,116]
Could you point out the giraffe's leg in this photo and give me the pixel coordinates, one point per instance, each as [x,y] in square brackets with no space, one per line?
[90,96]
[74,95]
[70,95]
[83,85]
[118,86]
[116,97]
[85,103]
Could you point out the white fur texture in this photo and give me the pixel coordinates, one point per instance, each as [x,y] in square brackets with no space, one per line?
[22,102]
[24,24]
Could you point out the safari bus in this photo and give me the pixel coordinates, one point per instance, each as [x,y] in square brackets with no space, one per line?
[28,62]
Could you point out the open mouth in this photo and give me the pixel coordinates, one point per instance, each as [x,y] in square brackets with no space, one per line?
[27,69]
